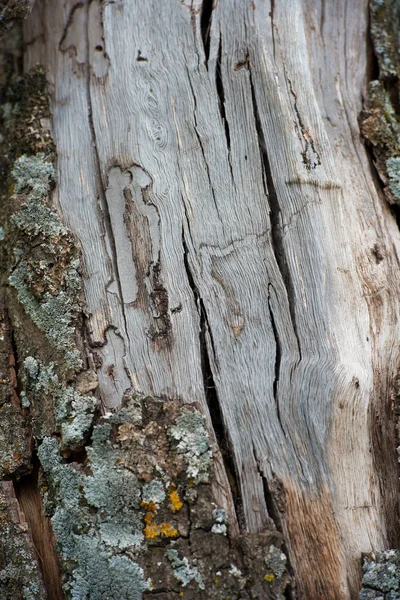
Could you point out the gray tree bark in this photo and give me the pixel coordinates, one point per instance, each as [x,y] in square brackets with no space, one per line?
[200,292]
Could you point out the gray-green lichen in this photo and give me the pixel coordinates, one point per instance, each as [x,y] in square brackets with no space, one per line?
[220,517]
[73,411]
[183,572]
[393,171]
[96,521]
[385,27]
[381,576]
[193,444]
[11,10]
[380,124]
[45,269]
[276,561]
[153,491]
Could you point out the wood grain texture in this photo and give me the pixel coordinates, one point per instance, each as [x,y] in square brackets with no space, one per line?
[220,193]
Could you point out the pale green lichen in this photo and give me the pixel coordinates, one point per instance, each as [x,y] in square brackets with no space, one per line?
[393,171]
[276,561]
[237,573]
[193,444]
[381,576]
[35,173]
[47,285]
[183,572]
[73,411]
[53,315]
[385,22]
[153,491]
[96,520]
[220,517]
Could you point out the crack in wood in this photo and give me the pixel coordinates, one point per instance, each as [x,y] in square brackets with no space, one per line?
[275,216]
[278,358]
[272,14]
[219,86]
[206,343]
[205,26]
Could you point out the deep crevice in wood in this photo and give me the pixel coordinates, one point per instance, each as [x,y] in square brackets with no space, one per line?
[210,390]
[221,103]
[278,356]
[205,25]
[275,217]
[30,500]
[271,14]
[221,95]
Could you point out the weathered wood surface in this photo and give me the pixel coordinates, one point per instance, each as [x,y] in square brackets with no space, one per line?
[222,196]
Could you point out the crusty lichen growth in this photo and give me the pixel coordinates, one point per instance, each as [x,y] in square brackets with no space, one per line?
[183,571]
[381,576]
[73,411]
[96,521]
[385,27]
[379,121]
[11,10]
[191,434]
[276,562]
[124,523]
[19,573]
[44,273]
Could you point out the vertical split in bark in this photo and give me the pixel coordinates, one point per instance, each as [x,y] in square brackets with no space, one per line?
[207,7]
[206,342]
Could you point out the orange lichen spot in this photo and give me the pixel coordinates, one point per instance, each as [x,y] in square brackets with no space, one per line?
[175,502]
[148,517]
[168,531]
[151,531]
[149,506]
[154,529]
[269,577]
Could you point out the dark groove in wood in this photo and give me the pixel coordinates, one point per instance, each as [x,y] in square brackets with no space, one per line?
[205,25]
[275,216]
[210,389]
[31,503]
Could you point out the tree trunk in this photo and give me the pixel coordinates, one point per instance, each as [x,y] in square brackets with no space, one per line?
[203,298]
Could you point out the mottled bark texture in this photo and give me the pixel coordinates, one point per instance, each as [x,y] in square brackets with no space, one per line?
[380,125]
[200,283]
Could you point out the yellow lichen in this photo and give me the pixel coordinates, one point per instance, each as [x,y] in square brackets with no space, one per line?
[175,502]
[151,531]
[269,577]
[167,530]
[149,506]
[154,529]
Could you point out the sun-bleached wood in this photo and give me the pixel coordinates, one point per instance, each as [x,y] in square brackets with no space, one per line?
[224,186]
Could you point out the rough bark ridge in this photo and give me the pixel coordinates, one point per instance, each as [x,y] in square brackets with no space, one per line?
[380,127]
[240,273]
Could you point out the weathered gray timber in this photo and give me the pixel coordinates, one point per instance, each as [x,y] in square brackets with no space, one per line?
[237,255]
